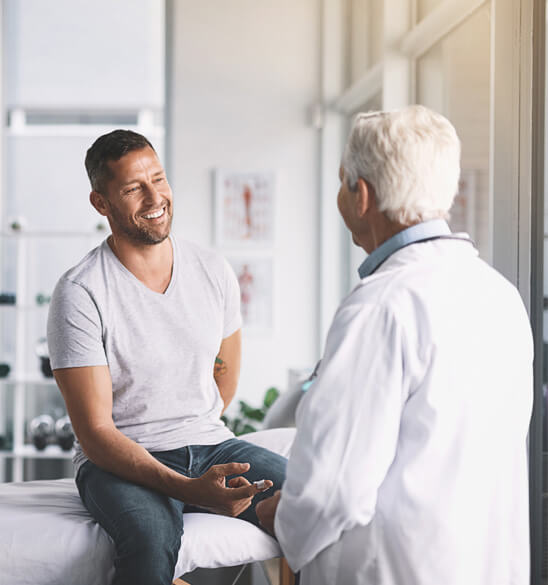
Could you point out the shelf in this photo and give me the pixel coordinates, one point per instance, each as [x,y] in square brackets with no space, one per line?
[26,373]
[29,379]
[31,452]
[23,233]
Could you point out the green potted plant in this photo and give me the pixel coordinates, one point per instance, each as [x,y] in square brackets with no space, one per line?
[248,418]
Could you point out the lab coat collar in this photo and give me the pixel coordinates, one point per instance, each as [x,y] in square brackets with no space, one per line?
[415,233]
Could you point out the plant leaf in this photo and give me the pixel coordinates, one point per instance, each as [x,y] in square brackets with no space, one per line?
[236,424]
[270,396]
[250,412]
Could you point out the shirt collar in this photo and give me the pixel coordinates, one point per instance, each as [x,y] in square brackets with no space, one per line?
[410,235]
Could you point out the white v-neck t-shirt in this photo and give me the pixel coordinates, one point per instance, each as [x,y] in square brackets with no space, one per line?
[160,347]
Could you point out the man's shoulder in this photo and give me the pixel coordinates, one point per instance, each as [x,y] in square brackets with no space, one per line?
[87,271]
[209,261]
[192,251]
[422,284]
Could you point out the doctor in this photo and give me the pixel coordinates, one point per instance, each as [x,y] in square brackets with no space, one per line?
[410,464]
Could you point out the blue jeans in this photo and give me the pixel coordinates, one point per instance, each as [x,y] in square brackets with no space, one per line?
[147,526]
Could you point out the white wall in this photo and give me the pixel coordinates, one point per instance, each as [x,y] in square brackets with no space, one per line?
[80,55]
[244,74]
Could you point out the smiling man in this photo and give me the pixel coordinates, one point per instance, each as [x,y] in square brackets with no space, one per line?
[136,333]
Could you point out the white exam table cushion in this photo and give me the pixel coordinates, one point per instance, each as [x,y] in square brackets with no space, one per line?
[47,537]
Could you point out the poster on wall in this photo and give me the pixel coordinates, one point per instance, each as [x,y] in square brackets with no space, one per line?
[255,277]
[244,208]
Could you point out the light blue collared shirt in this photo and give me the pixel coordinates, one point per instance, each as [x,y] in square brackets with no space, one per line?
[410,235]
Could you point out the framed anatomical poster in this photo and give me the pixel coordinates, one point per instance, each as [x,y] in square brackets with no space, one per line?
[255,277]
[244,208]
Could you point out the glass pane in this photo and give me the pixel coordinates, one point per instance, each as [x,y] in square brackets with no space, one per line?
[365,49]
[424,7]
[453,79]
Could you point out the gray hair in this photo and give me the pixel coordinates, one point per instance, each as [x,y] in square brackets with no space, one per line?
[411,159]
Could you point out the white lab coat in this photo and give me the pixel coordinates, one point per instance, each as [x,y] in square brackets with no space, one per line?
[410,464]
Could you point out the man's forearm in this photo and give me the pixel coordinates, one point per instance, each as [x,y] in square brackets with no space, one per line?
[111,450]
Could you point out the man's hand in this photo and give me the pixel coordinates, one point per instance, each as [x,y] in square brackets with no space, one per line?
[266,512]
[210,490]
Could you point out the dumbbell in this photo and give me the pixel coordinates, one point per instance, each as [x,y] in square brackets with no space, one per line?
[64,433]
[41,428]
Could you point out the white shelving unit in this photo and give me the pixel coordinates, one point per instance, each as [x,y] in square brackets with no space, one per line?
[30,452]
[23,377]
[55,104]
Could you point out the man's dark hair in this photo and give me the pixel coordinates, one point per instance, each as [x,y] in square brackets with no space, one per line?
[110,147]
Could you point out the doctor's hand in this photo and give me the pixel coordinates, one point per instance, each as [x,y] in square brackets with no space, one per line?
[266,512]
[210,490]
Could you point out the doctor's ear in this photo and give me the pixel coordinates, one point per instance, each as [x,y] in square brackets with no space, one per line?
[98,201]
[365,197]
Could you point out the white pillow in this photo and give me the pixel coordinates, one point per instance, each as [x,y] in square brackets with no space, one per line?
[277,440]
[213,541]
[47,536]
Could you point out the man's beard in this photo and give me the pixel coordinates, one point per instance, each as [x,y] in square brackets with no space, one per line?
[141,234]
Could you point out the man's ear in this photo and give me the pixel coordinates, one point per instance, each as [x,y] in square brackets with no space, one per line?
[98,201]
[365,197]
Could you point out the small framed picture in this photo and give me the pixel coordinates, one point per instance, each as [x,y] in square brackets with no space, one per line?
[244,208]
[255,277]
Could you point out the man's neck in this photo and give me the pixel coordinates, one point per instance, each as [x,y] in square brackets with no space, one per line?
[379,230]
[151,264]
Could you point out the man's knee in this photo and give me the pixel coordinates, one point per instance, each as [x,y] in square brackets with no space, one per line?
[270,465]
[155,529]
[279,469]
